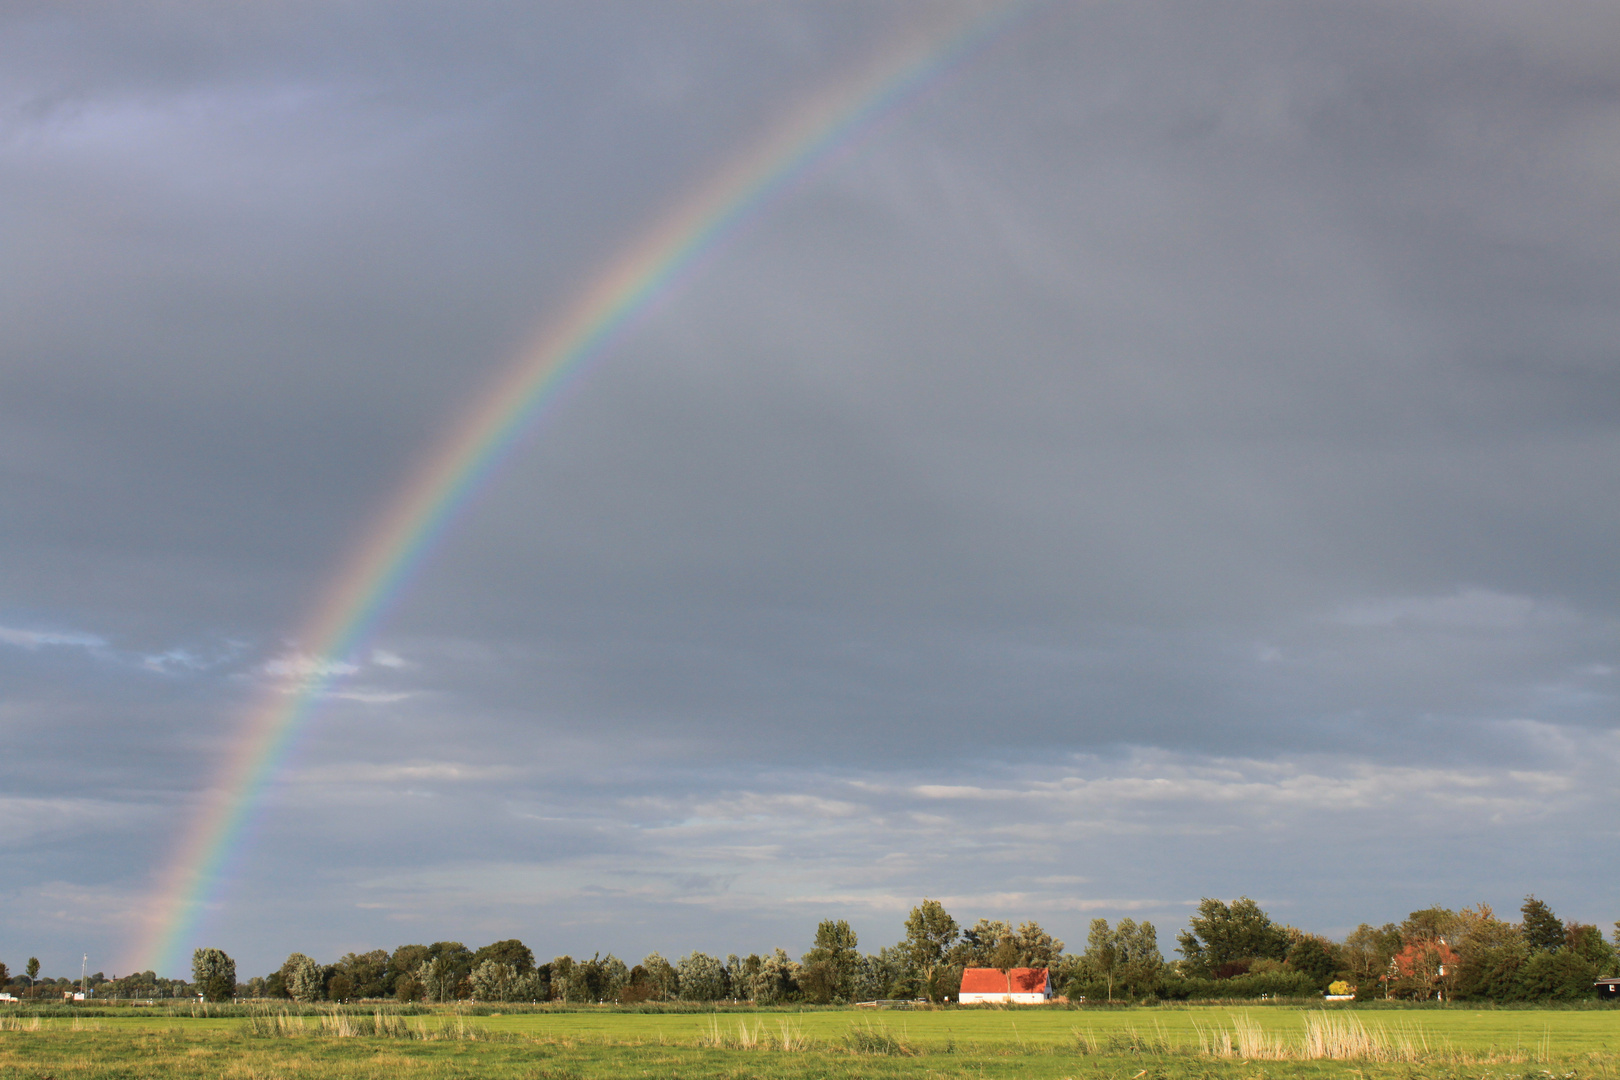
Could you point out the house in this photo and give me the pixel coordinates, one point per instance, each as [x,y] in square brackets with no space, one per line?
[1609,988]
[1020,986]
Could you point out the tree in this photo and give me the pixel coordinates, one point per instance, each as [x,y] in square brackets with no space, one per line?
[662,977]
[835,947]
[1543,931]
[33,961]
[1035,947]
[600,978]
[930,933]
[400,977]
[1431,924]
[1126,956]
[1222,937]
[776,980]
[1102,955]
[1004,957]
[493,980]
[1315,957]
[1367,953]
[367,973]
[511,951]
[702,977]
[979,942]
[302,978]
[214,973]
[440,978]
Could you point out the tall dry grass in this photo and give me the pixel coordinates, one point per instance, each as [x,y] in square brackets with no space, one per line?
[282,1025]
[787,1037]
[1325,1037]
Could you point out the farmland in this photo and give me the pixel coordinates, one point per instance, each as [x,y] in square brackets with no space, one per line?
[1211,1042]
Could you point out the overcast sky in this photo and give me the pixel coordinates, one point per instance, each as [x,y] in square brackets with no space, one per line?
[1179,457]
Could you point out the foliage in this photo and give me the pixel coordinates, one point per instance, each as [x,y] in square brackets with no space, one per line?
[367,973]
[1543,931]
[930,933]
[1223,935]
[511,951]
[662,977]
[1314,956]
[214,973]
[1125,958]
[702,977]
[831,965]
[302,978]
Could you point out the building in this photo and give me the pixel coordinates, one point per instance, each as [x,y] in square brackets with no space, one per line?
[1020,986]
[1609,988]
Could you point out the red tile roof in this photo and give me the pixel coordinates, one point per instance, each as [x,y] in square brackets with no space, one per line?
[992,981]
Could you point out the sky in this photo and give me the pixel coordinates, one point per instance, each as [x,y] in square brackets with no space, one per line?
[1175,455]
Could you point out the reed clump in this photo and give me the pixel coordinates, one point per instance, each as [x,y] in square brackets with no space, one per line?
[380,1025]
[1325,1037]
[785,1036]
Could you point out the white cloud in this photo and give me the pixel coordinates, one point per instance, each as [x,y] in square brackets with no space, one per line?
[302,667]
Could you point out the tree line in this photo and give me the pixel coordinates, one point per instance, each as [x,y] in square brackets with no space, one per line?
[1229,950]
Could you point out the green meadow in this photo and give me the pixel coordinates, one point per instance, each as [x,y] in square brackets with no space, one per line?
[1211,1042]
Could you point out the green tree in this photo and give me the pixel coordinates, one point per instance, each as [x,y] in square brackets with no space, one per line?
[1314,956]
[493,980]
[440,977]
[1036,948]
[835,947]
[400,977]
[1125,957]
[1367,952]
[662,977]
[1224,936]
[978,943]
[33,961]
[302,978]
[776,980]
[1103,955]
[702,977]
[1431,924]
[214,973]
[367,973]
[930,933]
[1543,931]
[512,951]
[1004,957]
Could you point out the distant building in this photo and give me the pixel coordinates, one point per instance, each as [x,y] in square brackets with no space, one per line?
[1020,986]
[1609,988]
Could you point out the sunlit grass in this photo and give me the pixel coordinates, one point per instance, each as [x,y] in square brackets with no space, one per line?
[1144,1044]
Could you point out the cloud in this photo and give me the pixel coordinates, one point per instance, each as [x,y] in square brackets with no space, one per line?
[33,639]
[1174,458]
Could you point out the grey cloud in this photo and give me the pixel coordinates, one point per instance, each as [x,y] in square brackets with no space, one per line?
[1222,399]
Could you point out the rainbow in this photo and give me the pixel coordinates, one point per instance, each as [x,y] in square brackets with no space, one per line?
[616,302]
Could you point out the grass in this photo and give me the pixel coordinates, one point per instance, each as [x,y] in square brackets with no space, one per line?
[1200,1043]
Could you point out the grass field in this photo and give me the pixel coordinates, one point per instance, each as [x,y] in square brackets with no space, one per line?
[1196,1043]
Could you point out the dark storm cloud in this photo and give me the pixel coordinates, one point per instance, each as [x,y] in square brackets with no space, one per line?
[1185,414]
